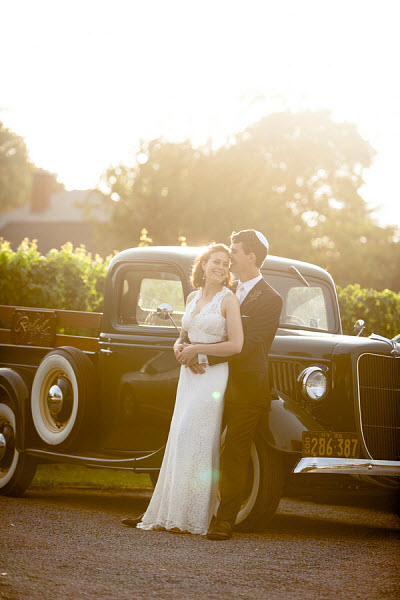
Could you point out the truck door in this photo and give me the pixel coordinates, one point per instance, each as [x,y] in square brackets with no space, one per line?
[137,365]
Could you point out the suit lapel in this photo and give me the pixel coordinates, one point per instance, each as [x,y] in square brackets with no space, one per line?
[253,294]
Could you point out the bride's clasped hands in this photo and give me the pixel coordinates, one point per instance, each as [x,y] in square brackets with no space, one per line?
[187,353]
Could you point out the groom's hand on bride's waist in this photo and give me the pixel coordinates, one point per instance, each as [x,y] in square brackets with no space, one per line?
[196,365]
[197,368]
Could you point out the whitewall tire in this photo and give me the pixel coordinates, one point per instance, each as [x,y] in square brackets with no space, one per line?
[62,396]
[264,486]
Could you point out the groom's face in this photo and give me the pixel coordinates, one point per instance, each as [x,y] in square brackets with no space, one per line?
[239,260]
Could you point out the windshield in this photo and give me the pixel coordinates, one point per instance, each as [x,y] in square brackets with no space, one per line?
[304,307]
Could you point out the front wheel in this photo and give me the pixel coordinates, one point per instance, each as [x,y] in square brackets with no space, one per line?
[264,487]
[16,469]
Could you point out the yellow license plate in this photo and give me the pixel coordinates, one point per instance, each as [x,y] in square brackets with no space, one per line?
[328,444]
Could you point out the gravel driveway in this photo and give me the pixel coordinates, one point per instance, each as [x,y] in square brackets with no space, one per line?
[69,544]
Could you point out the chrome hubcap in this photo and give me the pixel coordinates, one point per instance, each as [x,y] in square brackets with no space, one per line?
[7,446]
[3,446]
[55,400]
[58,403]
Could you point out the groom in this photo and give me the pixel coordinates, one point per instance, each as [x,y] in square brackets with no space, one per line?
[247,394]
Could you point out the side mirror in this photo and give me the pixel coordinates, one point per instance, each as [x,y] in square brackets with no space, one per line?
[165,311]
[359,327]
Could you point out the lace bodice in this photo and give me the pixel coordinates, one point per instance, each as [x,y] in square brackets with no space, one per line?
[208,326]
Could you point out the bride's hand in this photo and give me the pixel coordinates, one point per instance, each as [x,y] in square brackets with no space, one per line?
[189,352]
[178,349]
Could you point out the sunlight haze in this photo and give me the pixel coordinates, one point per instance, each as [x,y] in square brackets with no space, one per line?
[84,81]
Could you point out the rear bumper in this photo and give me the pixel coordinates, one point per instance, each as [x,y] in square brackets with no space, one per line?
[348,466]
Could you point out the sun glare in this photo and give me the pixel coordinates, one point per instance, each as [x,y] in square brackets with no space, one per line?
[89,89]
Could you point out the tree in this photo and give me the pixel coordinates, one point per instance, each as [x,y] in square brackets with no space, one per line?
[15,170]
[295,176]
[161,194]
[296,172]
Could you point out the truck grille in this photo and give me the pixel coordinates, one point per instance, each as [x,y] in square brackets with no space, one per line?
[379,387]
[283,376]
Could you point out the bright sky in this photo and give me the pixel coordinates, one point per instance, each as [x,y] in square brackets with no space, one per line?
[83,80]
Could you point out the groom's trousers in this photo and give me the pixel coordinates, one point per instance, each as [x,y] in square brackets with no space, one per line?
[246,403]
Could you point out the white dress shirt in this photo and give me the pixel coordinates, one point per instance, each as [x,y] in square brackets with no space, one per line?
[242,290]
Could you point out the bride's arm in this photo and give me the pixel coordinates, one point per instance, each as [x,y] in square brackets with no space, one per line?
[179,344]
[234,343]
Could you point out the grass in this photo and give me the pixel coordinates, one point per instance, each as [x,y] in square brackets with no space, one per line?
[50,476]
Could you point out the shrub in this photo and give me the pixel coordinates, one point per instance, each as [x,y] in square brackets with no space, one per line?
[379,310]
[69,279]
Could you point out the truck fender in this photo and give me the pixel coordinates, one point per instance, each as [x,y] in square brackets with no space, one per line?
[15,387]
[283,425]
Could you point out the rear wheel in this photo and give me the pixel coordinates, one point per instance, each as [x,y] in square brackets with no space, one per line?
[63,397]
[16,469]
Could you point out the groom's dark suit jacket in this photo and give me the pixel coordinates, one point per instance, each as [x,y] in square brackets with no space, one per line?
[248,370]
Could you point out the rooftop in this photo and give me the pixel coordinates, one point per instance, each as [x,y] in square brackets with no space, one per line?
[63,207]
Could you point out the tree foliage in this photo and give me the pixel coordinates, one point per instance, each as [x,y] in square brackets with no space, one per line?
[15,170]
[295,176]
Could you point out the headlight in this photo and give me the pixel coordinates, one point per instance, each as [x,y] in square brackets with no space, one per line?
[314,384]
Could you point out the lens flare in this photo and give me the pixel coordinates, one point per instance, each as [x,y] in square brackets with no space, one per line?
[209,475]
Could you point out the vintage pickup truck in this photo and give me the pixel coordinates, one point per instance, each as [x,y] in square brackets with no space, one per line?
[107,401]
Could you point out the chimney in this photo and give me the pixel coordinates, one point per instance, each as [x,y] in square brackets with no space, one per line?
[42,189]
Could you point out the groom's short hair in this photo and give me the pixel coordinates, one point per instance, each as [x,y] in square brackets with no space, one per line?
[250,243]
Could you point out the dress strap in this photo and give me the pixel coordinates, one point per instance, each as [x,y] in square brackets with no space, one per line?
[193,303]
[219,296]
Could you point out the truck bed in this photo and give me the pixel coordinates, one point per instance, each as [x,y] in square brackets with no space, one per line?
[40,327]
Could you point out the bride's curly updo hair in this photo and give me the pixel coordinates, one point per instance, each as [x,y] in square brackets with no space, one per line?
[197,277]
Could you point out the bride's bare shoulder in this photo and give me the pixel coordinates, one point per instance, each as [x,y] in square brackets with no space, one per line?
[230,297]
[191,296]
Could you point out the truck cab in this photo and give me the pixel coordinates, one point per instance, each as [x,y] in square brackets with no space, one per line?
[107,400]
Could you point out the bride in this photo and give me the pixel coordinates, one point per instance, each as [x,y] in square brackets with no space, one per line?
[185,497]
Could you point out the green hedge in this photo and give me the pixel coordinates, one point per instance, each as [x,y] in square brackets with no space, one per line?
[72,279]
[379,310]
[69,279]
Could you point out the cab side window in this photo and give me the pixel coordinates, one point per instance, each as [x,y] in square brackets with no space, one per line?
[142,291]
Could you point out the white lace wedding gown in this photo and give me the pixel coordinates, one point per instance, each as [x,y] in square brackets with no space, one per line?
[185,496]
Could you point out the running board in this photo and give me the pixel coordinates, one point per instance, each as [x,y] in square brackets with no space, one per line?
[149,462]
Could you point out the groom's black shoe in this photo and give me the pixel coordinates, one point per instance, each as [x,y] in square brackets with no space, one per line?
[131,521]
[220,530]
